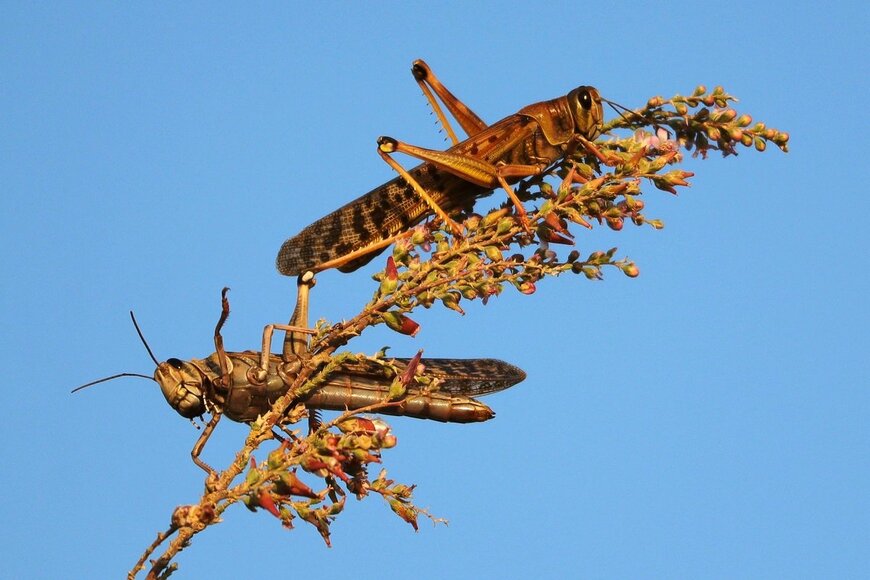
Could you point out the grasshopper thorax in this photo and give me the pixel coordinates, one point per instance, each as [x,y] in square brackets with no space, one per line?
[183,385]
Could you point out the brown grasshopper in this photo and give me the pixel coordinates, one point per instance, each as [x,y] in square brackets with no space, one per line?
[447,182]
[244,385]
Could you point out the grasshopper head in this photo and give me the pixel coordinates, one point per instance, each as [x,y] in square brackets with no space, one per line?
[585,103]
[182,385]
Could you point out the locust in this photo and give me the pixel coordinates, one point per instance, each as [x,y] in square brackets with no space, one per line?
[244,385]
[448,182]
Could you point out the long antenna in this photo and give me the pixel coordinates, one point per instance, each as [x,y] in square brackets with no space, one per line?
[616,107]
[119,375]
[110,378]
[142,338]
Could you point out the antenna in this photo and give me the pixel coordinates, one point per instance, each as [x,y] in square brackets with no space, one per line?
[142,338]
[110,378]
[150,353]
[616,107]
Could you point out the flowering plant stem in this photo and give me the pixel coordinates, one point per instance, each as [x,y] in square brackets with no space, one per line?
[429,265]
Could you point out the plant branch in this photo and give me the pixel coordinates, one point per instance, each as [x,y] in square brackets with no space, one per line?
[430,265]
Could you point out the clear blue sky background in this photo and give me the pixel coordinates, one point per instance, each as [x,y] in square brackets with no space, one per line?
[708,419]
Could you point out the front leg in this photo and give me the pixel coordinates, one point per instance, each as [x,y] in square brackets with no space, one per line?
[200,445]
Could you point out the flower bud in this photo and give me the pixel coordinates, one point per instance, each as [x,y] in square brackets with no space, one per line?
[397,390]
[468,292]
[314,466]
[555,238]
[592,272]
[404,511]
[401,251]
[728,115]
[451,301]
[275,458]
[633,203]
[390,279]
[267,503]
[615,223]
[471,222]
[356,425]
[407,377]
[418,236]
[504,226]
[494,216]
[493,253]
[289,484]
[400,323]
[678,177]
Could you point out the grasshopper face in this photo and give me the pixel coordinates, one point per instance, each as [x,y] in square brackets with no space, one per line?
[585,103]
[182,385]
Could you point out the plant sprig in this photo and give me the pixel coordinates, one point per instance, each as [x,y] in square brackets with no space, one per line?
[430,265]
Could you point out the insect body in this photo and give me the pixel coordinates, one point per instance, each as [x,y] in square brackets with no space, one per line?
[447,182]
[244,385]
[194,387]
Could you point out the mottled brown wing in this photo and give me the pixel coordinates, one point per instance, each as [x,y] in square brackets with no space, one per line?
[361,229]
[352,235]
[472,377]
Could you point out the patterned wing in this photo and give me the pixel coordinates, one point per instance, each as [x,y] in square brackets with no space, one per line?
[471,377]
[352,235]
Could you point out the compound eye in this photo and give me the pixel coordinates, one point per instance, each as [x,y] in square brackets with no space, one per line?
[175,363]
[585,99]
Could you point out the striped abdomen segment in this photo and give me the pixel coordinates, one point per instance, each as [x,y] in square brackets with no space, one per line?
[360,385]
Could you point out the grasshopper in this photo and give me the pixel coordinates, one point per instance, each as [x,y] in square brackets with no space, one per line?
[448,182]
[244,385]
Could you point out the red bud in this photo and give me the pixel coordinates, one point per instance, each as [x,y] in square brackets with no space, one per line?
[392,272]
[295,486]
[557,223]
[408,376]
[400,323]
[615,223]
[555,238]
[267,503]
[357,425]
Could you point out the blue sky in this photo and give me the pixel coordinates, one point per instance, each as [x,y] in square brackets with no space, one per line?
[708,419]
